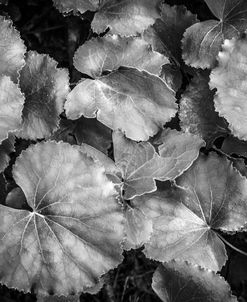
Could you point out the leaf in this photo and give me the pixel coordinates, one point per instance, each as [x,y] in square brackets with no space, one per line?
[74,298]
[172,75]
[229,79]
[111,51]
[84,130]
[202,41]
[11,104]
[6,147]
[232,145]
[66,6]
[166,33]
[72,235]
[197,113]
[183,282]
[125,17]
[134,101]
[210,196]
[45,87]
[141,164]
[138,228]
[12,50]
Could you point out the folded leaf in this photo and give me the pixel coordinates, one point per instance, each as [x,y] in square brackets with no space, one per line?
[229,78]
[110,52]
[210,196]
[72,235]
[180,282]
[125,17]
[136,102]
[141,164]
[202,41]
[12,50]
[166,34]
[197,113]
[45,87]
[11,105]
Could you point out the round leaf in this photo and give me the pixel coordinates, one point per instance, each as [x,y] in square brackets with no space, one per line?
[73,233]
[46,88]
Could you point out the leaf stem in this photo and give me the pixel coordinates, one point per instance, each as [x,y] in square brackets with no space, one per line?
[231,246]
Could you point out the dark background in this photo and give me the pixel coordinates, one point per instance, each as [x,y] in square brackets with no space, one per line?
[45,30]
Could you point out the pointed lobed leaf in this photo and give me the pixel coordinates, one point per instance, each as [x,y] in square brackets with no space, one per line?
[211,196]
[66,6]
[11,105]
[197,113]
[73,234]
[229,78]
[125,17]
[166,34]
[45,87]
[141,164]
[111,51]
[202,41]
[12,49]
[183,282]
[133,101]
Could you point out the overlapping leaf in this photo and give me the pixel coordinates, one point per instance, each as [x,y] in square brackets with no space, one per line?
[202,41]
[134,101]
[167,32]
[232,145]
[6,147]
[11,105]
[66,6]
[72,235]
[45,87]
[112,51]
[211,196]
[230,80]
[197,113]
[141,164]
[12,49]
[183,282]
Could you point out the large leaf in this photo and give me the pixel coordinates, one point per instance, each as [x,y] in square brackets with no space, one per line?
[73,233]
[197,113]
[183,282]
[134,101]
[11,105]
[125,17]
[167,32]
[110,52]
[230,80]
[141,164]
[45,87]
[12,49]
[211,196]
[202,41]
[66,6]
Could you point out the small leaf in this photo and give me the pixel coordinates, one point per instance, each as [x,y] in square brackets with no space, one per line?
[6,147]
[166,34]
[125,17]
[45,87]
[181,282]
[230,80]
[197,113]
[73,234]
[136,102]
[12,50]
[210,196]
[66,6]
[84,130]
[141,164]
[11,104]
[202,41]
[172,75]
[110,52]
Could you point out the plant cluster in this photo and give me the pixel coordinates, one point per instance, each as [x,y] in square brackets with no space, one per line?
[147,149]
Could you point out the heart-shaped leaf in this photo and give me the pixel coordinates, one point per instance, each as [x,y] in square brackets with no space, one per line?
[73,232]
